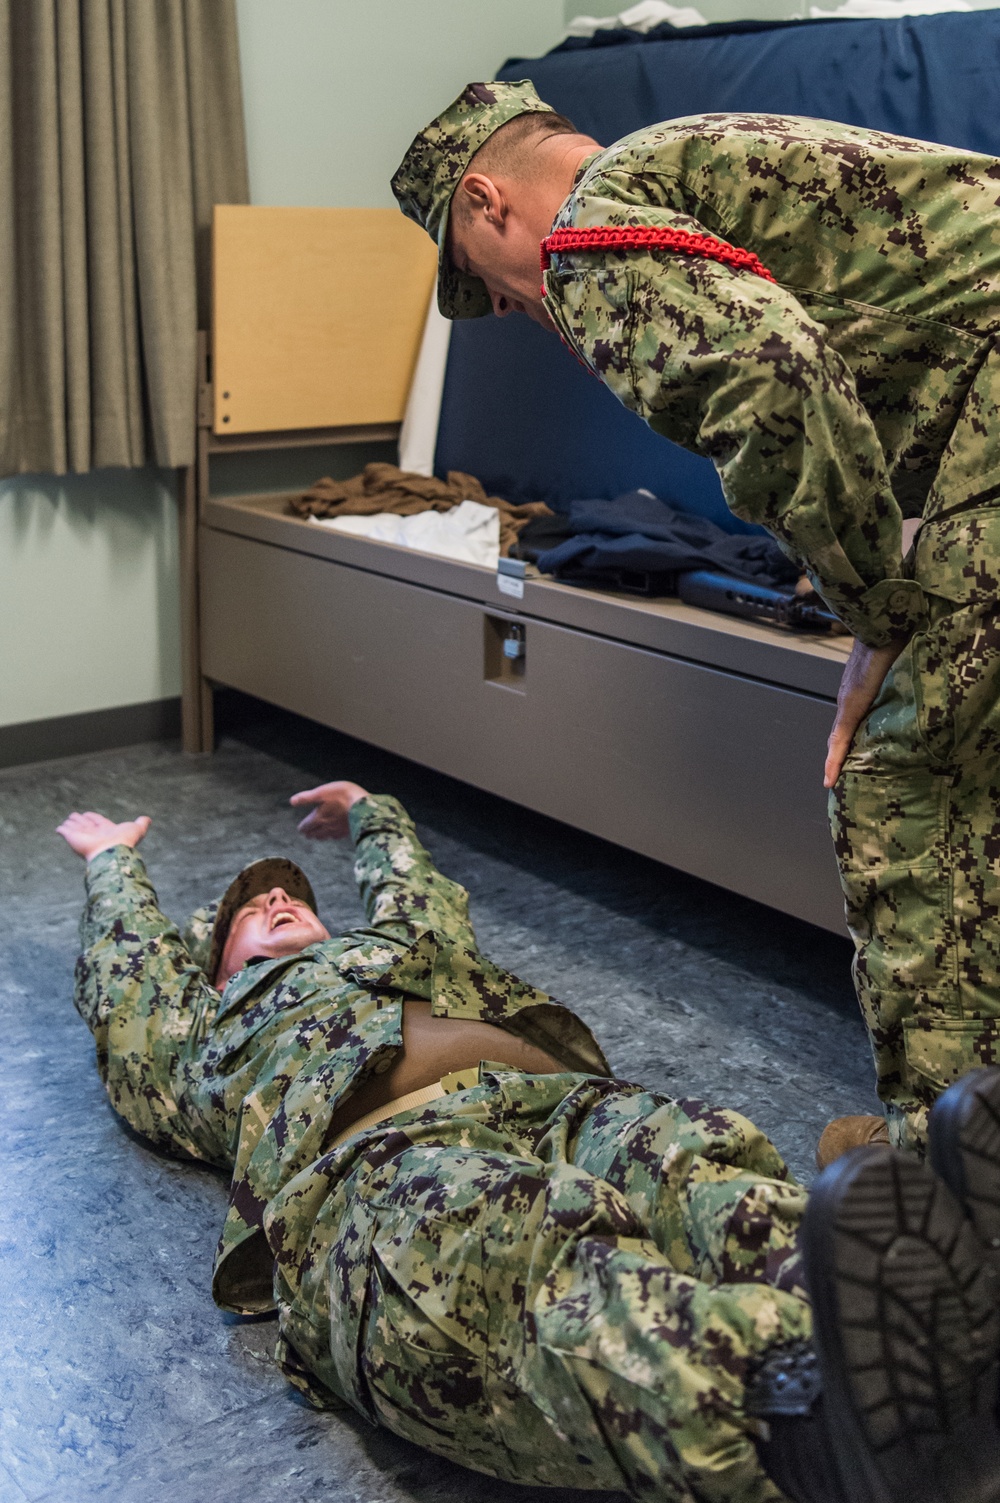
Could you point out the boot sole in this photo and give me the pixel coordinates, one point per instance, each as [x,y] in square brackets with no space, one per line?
[964,1150]
[907,1330]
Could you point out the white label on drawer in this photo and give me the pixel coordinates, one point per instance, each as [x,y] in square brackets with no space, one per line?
[508,585]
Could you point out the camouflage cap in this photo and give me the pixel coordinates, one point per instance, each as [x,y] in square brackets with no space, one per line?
[258,877]
[428,175]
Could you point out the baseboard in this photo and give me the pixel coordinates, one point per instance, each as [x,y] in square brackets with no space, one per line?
[94,730]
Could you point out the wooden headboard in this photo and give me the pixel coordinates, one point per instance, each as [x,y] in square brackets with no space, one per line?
[317,316]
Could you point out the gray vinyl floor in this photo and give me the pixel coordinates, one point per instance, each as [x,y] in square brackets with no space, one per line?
[119,1379]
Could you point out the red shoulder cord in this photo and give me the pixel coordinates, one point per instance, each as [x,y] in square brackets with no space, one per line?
[649,237]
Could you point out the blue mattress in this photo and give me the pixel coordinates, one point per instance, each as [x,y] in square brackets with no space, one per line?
[518,410]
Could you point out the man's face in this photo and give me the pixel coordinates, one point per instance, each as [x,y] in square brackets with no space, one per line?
[270,925]
[505,256]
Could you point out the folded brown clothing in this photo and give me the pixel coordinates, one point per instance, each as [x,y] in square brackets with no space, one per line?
[385,487]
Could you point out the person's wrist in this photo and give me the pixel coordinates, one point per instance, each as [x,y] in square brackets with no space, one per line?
[362,811]
[108,845]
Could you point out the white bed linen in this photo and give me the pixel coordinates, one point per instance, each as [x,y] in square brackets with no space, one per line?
[469,532]
[418,436]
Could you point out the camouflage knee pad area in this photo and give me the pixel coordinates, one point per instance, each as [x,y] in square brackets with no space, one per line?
[916,823]
[496,1279]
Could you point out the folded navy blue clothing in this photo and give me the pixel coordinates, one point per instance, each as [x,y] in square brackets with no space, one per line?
[638,531]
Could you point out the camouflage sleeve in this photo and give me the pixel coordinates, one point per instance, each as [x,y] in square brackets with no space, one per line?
[146,1003]
[731,366]
[403,892]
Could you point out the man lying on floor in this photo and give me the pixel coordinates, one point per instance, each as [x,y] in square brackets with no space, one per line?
[477,1237]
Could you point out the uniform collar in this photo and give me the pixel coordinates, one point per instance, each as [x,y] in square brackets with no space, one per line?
[262,975]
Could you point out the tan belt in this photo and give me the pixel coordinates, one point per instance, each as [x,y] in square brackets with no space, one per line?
[458,1080]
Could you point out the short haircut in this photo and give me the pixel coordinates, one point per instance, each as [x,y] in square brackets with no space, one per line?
[508,152]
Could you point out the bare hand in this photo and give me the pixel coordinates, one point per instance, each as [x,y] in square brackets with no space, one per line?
[329,820]
[89,834]
[864,673]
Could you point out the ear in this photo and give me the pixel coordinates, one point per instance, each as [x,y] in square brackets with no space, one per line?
[484,197]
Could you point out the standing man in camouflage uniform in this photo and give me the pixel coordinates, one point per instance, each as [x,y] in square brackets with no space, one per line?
[474,1235]
[816,309]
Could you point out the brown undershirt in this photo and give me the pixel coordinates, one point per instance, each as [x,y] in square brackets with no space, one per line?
[433,1047]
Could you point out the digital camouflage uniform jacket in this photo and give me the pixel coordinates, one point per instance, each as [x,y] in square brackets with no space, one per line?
[862,384]
[249,1080]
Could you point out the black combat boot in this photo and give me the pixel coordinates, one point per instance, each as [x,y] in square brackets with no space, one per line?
[897,1400]
[964,1150]
[798,1454]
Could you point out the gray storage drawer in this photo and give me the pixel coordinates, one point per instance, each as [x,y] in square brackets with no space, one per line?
[713,773]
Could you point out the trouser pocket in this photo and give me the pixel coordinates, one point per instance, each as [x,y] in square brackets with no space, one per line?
[941,1051]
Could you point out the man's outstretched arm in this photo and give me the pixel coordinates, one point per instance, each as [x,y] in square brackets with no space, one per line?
[403,892]
[137,988]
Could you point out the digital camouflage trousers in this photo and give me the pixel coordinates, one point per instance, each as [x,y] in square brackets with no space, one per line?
[558,1280]
[916,824]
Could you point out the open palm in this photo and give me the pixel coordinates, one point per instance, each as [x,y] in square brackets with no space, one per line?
[89,834]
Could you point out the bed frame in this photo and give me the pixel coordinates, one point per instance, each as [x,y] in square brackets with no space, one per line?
[692,738]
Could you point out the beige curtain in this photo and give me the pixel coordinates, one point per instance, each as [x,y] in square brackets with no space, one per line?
[121,124]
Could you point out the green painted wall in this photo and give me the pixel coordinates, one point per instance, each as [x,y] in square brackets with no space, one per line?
[88,593]
[337,89]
